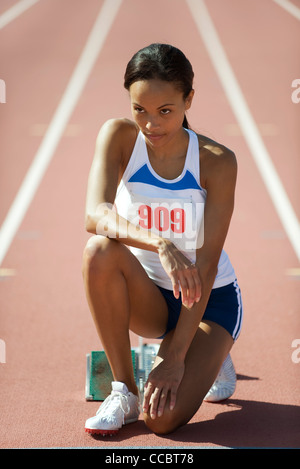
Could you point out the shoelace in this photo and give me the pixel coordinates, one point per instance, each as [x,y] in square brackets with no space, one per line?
[111,403]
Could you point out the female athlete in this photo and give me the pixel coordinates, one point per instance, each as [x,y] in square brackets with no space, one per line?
[159,204]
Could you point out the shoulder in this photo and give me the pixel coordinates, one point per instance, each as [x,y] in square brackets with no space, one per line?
[218,163]
[118,130]
[115,141]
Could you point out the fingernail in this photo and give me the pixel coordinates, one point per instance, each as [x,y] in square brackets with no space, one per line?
[159,413]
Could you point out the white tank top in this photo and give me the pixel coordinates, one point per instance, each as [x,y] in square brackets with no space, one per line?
[172,209]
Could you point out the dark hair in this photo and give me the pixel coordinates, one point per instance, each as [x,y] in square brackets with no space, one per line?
[163,62]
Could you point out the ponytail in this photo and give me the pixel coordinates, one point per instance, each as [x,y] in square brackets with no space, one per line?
[185,123]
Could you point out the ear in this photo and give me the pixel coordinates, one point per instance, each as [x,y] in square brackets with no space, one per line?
[189,99]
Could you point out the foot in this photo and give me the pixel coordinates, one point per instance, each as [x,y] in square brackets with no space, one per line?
[225,383]
[118,409]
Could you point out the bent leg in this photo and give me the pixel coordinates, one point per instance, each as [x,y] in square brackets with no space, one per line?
[205,356]
[121,297]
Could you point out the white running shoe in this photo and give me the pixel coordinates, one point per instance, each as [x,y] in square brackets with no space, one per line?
[119,408]
[225,383]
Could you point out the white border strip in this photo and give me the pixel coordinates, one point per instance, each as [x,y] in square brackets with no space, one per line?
[15,11]
[250,131]
[58,123]
[289,7]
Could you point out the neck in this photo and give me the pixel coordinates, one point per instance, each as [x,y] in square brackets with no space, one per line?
[174,148]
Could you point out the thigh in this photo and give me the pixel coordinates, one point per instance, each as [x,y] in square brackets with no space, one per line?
[148,312]
[226,309]
[148,307]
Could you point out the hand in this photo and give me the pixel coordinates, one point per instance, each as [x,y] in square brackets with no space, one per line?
[182,272]
[165,378]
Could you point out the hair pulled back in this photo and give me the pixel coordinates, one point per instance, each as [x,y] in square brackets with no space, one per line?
[163,62]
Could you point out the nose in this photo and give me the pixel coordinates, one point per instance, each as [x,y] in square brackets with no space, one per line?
[152,123]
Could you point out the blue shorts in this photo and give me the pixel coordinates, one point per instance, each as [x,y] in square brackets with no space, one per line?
[224,307]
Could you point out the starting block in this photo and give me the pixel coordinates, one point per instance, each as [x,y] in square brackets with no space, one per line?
[99,375]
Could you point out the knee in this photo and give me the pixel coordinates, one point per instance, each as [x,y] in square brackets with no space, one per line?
[167,423]
[95,254]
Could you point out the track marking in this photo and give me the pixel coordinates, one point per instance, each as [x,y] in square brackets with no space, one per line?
[39,130]
[248,126]
[7,272]
[293,272]
[267,130]
[58,123]
[15,11]
[289,7]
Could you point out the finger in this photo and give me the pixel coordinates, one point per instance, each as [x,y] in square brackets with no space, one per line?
[191,289]
[195,291]
[187,288]
[193,281]
[173,395]
[154,402]
[162,402]
[147,395]
[184,288]
[175,283]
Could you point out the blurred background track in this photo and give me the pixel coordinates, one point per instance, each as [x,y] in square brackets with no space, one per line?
[63,64]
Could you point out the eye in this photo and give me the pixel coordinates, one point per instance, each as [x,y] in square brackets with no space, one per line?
[165,111]
[138,109]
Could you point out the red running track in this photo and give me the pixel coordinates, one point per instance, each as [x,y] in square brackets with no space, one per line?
[45,324]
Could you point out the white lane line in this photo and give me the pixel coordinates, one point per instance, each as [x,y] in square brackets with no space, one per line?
[248,126]
[58,123]
[289,7]
[15,11]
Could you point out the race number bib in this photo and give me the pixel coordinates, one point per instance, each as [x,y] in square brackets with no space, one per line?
[179,220]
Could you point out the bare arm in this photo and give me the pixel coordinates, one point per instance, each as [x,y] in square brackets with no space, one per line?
[115,138]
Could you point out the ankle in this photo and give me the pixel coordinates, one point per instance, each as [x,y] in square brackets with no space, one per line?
[131,386]
[134,390]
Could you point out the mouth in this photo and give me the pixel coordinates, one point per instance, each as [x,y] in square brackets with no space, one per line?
[154,137]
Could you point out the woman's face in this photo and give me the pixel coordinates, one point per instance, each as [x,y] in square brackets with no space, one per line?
[158,108]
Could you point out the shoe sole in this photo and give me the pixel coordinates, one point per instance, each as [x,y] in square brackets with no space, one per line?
[96,431]
[216,401]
